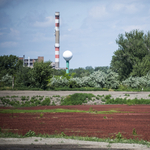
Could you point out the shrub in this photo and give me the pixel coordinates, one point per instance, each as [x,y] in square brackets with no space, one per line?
[76,99]
[46,102]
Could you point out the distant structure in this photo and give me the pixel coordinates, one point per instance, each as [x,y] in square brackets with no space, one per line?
[57,40]
[67,56]
[29,62]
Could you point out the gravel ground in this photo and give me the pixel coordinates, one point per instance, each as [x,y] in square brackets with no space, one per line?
[71,143]
[114,94]
[56,100]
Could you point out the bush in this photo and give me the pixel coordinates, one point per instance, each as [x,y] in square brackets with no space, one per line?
[77,99]
[46,102]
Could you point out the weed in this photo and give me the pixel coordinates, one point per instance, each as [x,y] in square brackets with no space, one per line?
[30,133]
[93,99]
[33,97]
[134,132]
[14,96]
[97,98]
[41,115]
[90,109]
[36,140]
[119,136]
[41,98]
[105,117]
[62,134]
[127,94]
[56,95]
[103,100]
[108,145]
[46,102]
[8,96]
[107,96]
[94,103]
[53,103]
[23,98]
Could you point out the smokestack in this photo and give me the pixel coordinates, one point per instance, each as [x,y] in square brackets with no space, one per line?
[56,39]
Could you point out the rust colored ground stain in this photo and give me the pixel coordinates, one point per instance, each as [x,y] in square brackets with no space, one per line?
[82,124]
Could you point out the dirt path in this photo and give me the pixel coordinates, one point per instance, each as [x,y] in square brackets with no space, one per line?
[63,144]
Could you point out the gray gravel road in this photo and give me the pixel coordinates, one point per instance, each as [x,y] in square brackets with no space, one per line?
[114,94]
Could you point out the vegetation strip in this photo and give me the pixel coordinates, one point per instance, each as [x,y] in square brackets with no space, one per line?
[63,135]
[56,111]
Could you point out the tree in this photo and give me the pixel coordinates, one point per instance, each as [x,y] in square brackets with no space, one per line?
[142,67]
[9,65]
[23,76]
[89,69]
[40,74]
[103,68]
[132,48]
[80,72]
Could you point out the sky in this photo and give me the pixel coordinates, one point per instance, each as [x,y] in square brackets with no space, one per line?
[88,28]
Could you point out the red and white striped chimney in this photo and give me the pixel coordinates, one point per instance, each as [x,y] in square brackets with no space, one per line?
[56,39]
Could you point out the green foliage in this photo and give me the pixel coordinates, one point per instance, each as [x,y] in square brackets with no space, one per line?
[9,65]
[79,72]
[127,101]
[41,115]
[46,102]
[23,76]
[56,95]
[136,82]
[105,117]
[103,69]
[40,73]
[30,134]
[107,96]
[142,67]
[24,98]
[132,54]
[53,103]
[134,132]
[97,79]
[81,89]
[111,81]
[7,80]
[77,99]
[119,136]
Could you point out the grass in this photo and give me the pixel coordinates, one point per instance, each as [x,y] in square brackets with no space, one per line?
[57,111]
[63,135]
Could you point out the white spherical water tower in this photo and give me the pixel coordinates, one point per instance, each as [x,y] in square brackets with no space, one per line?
[67,55]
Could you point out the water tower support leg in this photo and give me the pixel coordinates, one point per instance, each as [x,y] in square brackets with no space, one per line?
[67,66]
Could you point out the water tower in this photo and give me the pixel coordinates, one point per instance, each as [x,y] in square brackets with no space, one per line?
[67,56]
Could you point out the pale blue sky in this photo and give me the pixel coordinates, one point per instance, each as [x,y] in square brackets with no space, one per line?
[88,28]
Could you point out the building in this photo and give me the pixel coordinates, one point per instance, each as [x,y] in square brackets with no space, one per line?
[29,62]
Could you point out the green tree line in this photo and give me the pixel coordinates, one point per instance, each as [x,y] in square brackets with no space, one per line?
[130,67]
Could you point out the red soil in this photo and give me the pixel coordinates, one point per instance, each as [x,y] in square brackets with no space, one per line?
[83,124]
